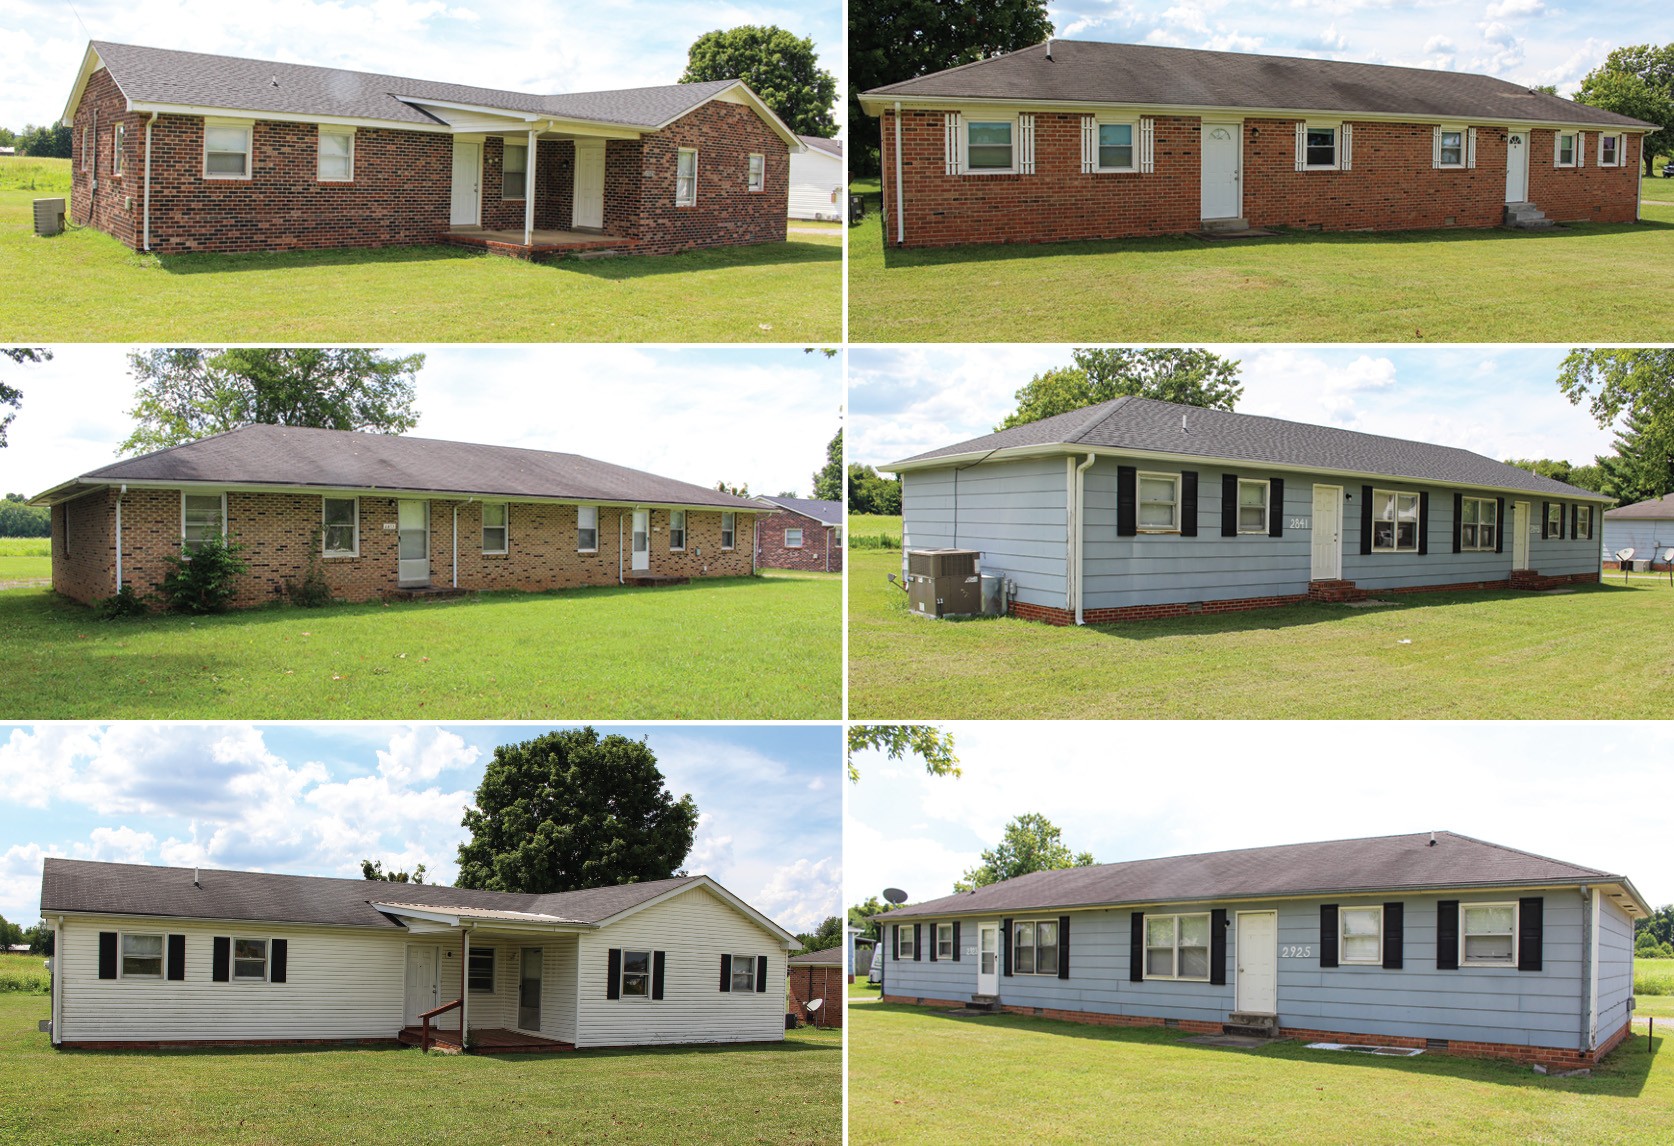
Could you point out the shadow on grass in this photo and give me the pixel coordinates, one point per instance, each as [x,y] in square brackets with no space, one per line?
[788,1046]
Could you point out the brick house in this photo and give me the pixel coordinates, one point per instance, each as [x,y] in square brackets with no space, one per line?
[801,533]
[816,975]
[384,514]
[1075,140]
[178,151]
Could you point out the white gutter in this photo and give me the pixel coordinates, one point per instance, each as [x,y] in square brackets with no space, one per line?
[1592,976]
[529,189]
[755,544]
[1076,539]
[146,221]
[464,981]
[620,580]
[900,202]
[58,982]
[119,497]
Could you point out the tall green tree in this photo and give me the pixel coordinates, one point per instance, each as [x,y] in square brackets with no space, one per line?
[1031,843]
[11,934]
[1639,81]
[895,40]
[863,915]
[1584,477]
[11,398]
[20,520]
[828,934]
[779,67]
[1190,377]
[1659,924]
[183,395]
[570,810]
[1643,465]
[828,479]
[1636,386]
[897,741]
[871,492]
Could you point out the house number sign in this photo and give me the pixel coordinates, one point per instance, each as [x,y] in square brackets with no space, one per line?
[1299,523]
[1297,951]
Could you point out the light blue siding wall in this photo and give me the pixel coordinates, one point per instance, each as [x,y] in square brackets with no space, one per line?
[1553,557]
[1615,968]
[1474,1004]
[1643,535]
[1014,513]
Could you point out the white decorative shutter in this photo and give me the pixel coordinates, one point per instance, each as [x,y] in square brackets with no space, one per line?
[1470,148]
[1026,144]
[1435,146]
[1347,152]
[1301,147]
[1580,149]
[1089,145]
[950,137]
[1147,145]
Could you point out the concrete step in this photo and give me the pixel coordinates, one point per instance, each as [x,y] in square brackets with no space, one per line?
[984,1003]
[1252,1023]
[1526,217]
[1226,224]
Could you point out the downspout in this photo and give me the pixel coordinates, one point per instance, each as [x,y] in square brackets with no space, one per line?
[1069,533]
[900,203]
[464,976]
[456,543]
[93,172]
[1077,538]
[1592,992]
[529,193]
[755,542]
[620,580]
[58,982]
[1589,971]
[146,221]
[119,496]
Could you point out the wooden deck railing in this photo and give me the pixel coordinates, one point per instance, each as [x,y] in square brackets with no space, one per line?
[424,1020]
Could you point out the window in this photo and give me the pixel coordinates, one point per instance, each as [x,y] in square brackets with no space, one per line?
[1610,151]
[837,535]
[1116,147]
[1034,947]
[142,956]
[1159,503]
[337,154]
[1360,935]
[1555,520]
[677,529]
[1452,148]
[1177,946]
[587,528]
[202,516]
[494,526]
[514,171]
[226,150]
[118,141]
[793,539]
[729,530]
[480,972]
[250,959]
[903,942]
[1583,521]
[1478,524]
[758,172]
[743,973]
[1321,147]
[1394,522]
[1488,934]
[988,145]
[1252,506]
[1566,149]
[636,974]
[341,537]
[944,940]
[685,178]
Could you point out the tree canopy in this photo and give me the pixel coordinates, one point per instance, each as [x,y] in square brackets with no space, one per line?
[11,398]
[1636,386]
[828,479]
[871,492]
[1190,377]
[1637,81]
[861,914]
[1586,477]
[828,934]
[571,810]
[779,67]
[932,745]
[1031,843]
[374,869]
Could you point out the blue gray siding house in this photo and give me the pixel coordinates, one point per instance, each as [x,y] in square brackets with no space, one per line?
[1434,940]
[1646,527]
[1136,508]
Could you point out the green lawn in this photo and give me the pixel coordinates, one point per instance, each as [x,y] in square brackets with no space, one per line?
[1572,285]
[23,558]
[778,1093]
[917,1075]
[84,286]
[726,649]
[1543,653]
[1658,974]
[874,531]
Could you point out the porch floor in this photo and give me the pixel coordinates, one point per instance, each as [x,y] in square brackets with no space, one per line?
[511,242]
[488,1040]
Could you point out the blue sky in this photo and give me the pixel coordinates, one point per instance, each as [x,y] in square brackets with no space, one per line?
[546,48]
[1496,400]
[1595,794]
[314,799]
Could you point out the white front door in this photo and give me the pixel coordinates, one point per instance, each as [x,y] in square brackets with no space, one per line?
[1258,962]
[642,541]
[588,212]
[413,543]
[1327,534]
[1517,167]
[988,959]
[1223,145]
[467,183]
[529,988]
[1520,535]
[423,990]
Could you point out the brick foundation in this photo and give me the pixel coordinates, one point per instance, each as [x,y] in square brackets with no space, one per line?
[1528,579]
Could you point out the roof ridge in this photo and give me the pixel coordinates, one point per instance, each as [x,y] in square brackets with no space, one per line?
[1111,405]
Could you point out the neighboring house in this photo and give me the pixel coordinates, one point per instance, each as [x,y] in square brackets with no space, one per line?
[801,534]
[1435,941]
[8,151]
[817,975]
[384,514]
[817,179]
[1076,140]
[178,151]
[150,956]
[1646,527]
[1136,508]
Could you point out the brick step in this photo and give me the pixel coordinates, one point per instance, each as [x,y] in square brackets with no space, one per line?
[1334,592]
[1252,1023]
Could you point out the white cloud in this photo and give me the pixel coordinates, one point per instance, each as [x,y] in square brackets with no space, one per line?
[801,895]
[1437,44]
[118,845]
[1514,9]
[423,753]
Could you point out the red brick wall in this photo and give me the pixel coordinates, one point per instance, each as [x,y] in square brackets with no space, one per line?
[109,209]
[725,135]
[1581,194]
[554,186]
[809,983]
[84,555]
[819,552]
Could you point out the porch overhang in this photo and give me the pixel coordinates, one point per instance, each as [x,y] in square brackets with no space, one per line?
[481,922]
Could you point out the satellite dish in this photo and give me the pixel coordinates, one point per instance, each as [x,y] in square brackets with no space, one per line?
[814,1005]
[895,895]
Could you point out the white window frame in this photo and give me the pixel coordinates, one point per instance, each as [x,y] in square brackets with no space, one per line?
[903,942]
[1620,142]
[325,528]
[688,197]
[749,962]
[643,977]
[492,955]
[1139,503]
[1376,959]
[1492,508]
[1464,148]
[118,141]
[1336,130]
[504,527]
[1583,522]
[506,148]
[582,513]
[789,544]
[1209,947]
[1558,532]
[676,515]
[756,175]
[1395,535]
[184,494]
[319,156]
[965,123]
[1464,909]
[122,938]
[1103,121]
[944,946]
[1558,148]
[837,535]
[729,530]
[267,960]
[248,126]
[1266,506]
[1034,946]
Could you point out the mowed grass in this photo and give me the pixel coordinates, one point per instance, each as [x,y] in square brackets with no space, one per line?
[918,1075]
[788,1092]
[1576,284]
[758,648]
[84,286]
[1430,655]
[25,558]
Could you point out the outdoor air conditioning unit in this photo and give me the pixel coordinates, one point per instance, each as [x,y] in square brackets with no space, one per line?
[49,216]
[944,582]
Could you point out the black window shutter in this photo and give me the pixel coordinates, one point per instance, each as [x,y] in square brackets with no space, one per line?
[613,973]
[220,965]
[1499,525]
[1575,521]
[278,956]
[1531,931]
[1136,947]
[935,930]
[1276,507]
[1229,505]
[726,972]
[1545,519]
[1217,946]
[659,964]
[107,954]
[1127,507]
[1458,522]
[761,974]
[956,941]
[1063,947]
[1423,522]
[895,942]
[177,957]
[1447,935]
[918,942]
[1592,516]
[1188,503]
[1005,947]
[1328,935]
[1394,935]
[1365,519]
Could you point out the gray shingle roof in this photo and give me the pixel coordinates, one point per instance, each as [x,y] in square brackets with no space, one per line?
[1147,75]
[1147,425]
[1333,867]
[294,456]
[828,957]
[820,143]
[824,512]
[196,79]
[136,889]
[1658,508]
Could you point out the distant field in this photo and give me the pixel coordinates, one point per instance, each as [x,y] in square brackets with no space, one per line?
[26,173]
[873,531]
[23,974]
[1653,988]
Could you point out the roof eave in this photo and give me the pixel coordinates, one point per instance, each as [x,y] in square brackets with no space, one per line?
[267,116]
[91,62]
[72,912]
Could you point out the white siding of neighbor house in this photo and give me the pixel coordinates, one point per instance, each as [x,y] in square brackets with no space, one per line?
[1014,513]
[816,185]
[694,928]
[1615,968]
[1648,537]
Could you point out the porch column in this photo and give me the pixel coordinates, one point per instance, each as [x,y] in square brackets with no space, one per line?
[529,191]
